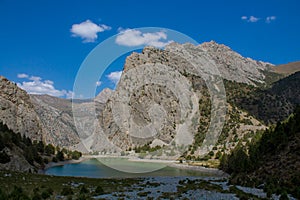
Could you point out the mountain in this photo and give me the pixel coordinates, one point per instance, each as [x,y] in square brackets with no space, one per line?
[271,159]
[57,120]
[48,118]
[146,108]
[17,110]
[287,69]
[164,97]
[271,104]
[59,125]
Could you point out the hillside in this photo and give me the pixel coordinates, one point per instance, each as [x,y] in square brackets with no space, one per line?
[288,68]
[19,153]
[17,110]
[270,105]
[272,159]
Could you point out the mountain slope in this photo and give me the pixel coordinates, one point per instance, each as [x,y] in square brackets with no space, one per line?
[17,110]
[272,159]
[144,94]
[288,68]
[269,105]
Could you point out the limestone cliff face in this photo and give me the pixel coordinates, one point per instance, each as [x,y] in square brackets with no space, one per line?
[17,110]
[158,93]
[231,65]
[47,118]
[61,128]
[57,120]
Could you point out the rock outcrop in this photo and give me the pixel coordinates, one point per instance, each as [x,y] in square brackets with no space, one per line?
[17,110]
[158,87]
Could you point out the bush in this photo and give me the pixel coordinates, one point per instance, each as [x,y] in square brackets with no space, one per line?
[45,160]
[218,155]
[50,149]
[54,159]
[67,191]
[99,190]
[36,197]
[76,155]
[284,196]
[4,158]
[3,196]
[60,156]
[83,190]
[18,193]
[45,194]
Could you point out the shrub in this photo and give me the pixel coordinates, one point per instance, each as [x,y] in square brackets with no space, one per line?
[67,191]
[83,190]
[99,190]
[4,158]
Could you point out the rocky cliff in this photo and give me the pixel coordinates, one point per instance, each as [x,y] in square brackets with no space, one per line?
[17,110]
[160,93]
[47,118]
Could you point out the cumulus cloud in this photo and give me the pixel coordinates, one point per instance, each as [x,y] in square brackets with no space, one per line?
[131,37]
[35,85]
[22,76]
[244,17]
[250,19]
[270,19]
[88,30]
[253,19]
[114,76]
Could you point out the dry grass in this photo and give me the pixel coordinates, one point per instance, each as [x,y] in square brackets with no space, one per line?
[288,69]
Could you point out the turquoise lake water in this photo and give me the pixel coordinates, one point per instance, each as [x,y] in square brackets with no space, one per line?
[93,168]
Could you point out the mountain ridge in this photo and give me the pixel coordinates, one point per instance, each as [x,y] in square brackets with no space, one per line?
[54,120]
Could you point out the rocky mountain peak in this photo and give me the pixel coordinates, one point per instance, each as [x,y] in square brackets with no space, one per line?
[104,95]
[231,65]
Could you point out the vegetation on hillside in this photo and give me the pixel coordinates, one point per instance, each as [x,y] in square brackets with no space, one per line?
[270,102]
[36,153]
[272,158]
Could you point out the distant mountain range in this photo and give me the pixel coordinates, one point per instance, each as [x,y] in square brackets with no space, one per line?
[258,94]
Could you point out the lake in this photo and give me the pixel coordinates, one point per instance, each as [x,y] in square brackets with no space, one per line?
[93,168]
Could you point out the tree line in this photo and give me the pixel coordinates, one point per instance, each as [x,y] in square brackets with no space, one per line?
[35,152]
[268,146]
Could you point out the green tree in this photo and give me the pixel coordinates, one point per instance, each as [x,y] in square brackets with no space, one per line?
[40,147]
[60,156]
[50,149]
[76,155]
[4,158]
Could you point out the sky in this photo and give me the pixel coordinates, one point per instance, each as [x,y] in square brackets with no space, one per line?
[44,43]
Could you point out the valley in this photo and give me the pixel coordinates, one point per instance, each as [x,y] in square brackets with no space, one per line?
[151,119]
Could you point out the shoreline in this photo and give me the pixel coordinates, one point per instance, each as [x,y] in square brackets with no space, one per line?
[170,163]
[60,163]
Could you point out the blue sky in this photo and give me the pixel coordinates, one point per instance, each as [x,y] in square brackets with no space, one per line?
[43,43]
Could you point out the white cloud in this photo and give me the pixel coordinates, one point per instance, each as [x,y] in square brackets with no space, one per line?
[250,19]
[22,76]
[131,37]
[244,17]
[35,85]
[35,78]
[88,30]
[98,83]
[270,18]
[253,19]
[114,76]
